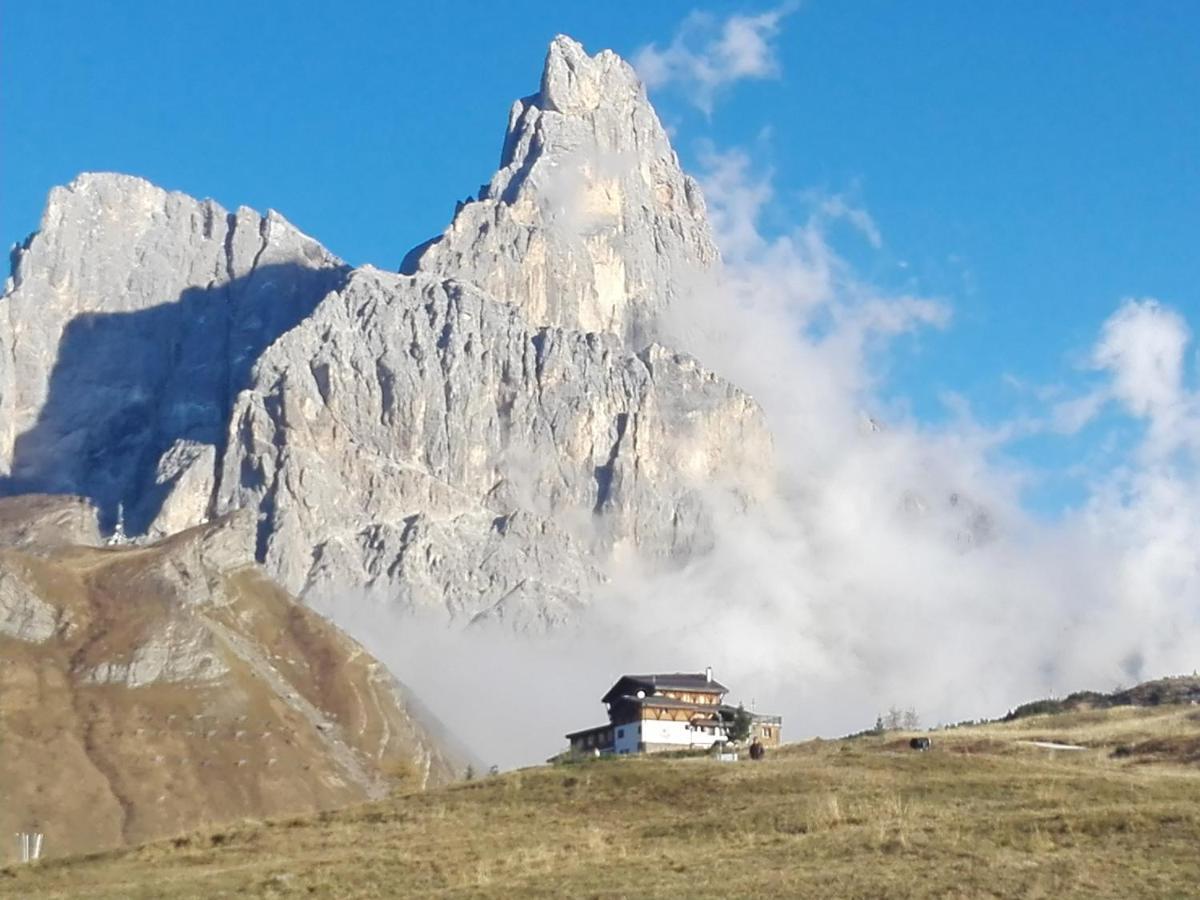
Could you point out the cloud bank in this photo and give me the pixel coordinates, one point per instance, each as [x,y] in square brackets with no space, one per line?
[894,564]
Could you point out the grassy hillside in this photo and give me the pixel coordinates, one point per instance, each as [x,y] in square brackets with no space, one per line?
[982,814]
[149,689]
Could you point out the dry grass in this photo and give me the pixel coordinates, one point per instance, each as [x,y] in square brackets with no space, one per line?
[979,815]
[97,766]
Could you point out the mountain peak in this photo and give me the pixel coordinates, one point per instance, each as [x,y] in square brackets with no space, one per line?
[574,82]
[589,222]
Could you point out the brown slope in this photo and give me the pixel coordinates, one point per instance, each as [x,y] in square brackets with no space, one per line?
[147,690]
[981,814]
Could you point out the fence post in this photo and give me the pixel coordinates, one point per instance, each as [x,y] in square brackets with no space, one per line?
[29,845]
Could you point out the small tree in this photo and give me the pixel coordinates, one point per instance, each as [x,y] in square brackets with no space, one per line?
[897,719]
[739,727]
[469,775]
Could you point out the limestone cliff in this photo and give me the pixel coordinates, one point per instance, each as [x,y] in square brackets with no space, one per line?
[423,440]
[589,222]
[482,434]
[131,320]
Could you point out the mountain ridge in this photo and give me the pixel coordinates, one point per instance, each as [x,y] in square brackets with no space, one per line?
[501,421]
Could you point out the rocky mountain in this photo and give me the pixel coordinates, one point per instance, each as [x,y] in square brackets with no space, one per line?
[145,690]
[589,223]
[479,434]
[131,321]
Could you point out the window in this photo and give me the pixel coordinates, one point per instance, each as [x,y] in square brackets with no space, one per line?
[620,732]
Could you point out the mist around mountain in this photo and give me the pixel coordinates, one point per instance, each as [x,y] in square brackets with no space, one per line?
[605,422]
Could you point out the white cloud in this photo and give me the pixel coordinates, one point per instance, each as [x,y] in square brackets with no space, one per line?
[838,207]
[708,54]
[1070,416]
[897,565]
[894,564]
[1142,345]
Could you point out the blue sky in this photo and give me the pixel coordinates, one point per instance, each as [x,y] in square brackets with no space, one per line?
[1030,163]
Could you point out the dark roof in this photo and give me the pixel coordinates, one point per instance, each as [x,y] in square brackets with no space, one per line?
[728,712]
[665,681]
[584,731]
[671,703]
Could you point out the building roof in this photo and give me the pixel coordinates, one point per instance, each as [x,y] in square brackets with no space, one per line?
[629,685]
[728,712]
[605,727]
[671,703]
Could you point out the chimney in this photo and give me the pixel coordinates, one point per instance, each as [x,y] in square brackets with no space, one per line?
[708,674]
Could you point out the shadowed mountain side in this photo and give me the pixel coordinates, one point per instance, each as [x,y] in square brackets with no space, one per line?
[138,400]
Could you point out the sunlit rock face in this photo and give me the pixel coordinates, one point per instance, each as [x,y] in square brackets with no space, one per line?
[480,435]
[423,439]
[589,223]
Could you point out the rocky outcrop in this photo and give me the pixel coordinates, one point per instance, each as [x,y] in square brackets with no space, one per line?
[589,223]
[421,439]
[131,320]
[480,434]
[24,616]
[180,686]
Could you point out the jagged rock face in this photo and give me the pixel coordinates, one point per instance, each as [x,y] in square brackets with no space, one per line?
[481,436]
[424,440]
[589,224]
[180,686]
[132,318]
[23,615]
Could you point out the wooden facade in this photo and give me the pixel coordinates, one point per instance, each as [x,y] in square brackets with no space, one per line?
[700,698]
[672,714]
[768,730]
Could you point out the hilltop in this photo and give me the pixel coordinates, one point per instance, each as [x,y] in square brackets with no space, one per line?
[986,812]
[148,689]
[1179,689]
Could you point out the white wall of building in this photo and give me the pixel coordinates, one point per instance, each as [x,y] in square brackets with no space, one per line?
[626,738]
